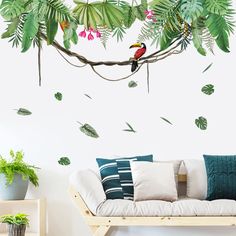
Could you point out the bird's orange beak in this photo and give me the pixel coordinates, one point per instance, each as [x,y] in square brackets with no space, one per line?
[136,45]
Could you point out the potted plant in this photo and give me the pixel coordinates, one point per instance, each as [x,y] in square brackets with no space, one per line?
[16,224]
[15,175]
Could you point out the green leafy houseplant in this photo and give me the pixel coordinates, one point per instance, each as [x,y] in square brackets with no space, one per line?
[17,166]
[16,223]
[18,219]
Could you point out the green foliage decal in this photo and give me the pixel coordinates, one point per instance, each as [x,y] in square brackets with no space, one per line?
[88,130]
[131,129]
[58,96]
[208,89]
[132,84]
[207,68]
[201,123]
[166,120]
[64,161]
[23,112]
[88,96]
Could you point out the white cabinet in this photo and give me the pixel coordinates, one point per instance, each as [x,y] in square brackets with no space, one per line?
[35,209]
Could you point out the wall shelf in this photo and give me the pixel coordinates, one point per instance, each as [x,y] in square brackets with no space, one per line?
[34,208]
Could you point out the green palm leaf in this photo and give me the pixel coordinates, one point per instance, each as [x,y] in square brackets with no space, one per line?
[218,7]
[57,10]
[220,28]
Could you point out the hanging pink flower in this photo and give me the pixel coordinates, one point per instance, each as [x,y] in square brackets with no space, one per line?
[149,17]
[82,34]
[98,34]
[151,12]
[146,12]
[90,36]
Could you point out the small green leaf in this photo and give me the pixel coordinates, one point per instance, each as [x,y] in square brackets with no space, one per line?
[89,130]
[23,112]
[208,89]
[131,129]
[166,120]
[64,161]
[58,96]
[207,68]
[132,84]
[201,123]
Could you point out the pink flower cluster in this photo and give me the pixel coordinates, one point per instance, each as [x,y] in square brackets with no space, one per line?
[150,15]
[91,32]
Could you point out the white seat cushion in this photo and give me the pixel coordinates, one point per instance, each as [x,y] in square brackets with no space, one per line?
[182,207]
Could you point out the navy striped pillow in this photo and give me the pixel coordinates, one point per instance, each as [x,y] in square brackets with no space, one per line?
[110,178]
[117,177]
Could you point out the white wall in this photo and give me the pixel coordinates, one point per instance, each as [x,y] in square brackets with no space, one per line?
[52,131]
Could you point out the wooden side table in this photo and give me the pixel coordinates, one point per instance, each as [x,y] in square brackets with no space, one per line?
[36,211]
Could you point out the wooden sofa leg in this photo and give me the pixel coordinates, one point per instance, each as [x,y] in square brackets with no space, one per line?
[100,230]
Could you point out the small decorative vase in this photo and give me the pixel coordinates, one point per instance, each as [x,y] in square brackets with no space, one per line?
[15,191]
[16,230]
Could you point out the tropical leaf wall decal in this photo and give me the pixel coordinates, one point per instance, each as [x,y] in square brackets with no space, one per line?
[201,123]
[166,120]
[207,68]
[23,112]
[208,89]
[58,96]
[64,161]
[131,129]
[132,84]
[88,96]
[88,130]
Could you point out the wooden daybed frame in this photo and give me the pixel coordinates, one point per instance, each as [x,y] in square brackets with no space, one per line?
[101,225]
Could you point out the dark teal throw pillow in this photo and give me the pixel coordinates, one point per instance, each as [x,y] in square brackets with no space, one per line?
[117,177]
[221,177]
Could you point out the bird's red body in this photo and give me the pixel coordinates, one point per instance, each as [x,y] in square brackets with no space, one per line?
[139,53]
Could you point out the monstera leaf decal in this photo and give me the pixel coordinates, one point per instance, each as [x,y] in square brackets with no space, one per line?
[58,96]
[208,89]
[64,161]
[201,123]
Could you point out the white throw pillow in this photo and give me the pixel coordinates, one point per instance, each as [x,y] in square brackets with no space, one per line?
[153,181]
[196,178]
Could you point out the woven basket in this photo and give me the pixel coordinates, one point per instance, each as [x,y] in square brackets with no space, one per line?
[16,230]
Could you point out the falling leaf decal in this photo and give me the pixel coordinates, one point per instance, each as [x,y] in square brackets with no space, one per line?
[23,112]
[207,68]
[208,89]
[87,96]
[64,161]
[131,129]
[201,123]
[166,120]
[88,130]
[58,96]
[132,84]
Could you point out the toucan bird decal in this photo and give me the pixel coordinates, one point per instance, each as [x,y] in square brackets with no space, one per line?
[138,54]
